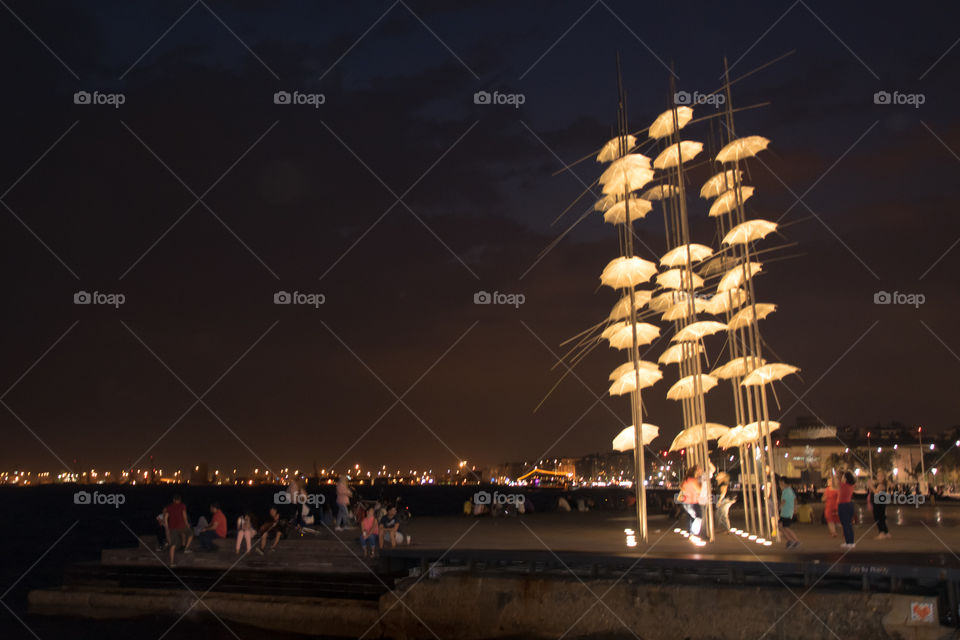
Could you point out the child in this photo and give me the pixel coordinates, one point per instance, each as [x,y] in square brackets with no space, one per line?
[369,533]
[830,498]
[788,506]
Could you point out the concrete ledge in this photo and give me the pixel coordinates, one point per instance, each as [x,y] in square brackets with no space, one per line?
[330,616]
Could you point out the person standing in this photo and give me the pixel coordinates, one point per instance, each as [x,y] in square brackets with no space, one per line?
[343,502]
[830,497]
[788,505]
[690,496]
[845,508]
[878,491]
[178,524]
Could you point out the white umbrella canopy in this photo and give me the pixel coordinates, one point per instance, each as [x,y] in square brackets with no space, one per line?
[623,273]
[628,173]
[769,373]
[627,383]
[727,200]
[674,353]
[663,125]
[621,336]
[747,315]
[626,439]
[749,231]
[683,310]
[677,257]
[698,330]
[678,279]
[611,150]
[671,156]
[734,278]
[720,183]
[687,387]
[606,202]
[621,310]
[738,367]
[617,214]
[733,438]
[660,192]
[742,148]
[753,431]
[725,301]
[627,368]
[692,436]
[663,301]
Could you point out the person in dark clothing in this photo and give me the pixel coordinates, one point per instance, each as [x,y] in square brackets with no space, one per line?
[878,492]
[845,509]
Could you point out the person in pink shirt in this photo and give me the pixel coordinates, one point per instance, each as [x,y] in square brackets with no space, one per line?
[690,496]
[369,534]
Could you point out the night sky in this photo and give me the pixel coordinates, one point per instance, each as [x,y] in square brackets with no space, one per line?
[399,198]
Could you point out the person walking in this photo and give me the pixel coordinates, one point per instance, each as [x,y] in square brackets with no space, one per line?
[690,497]
[343,503]
[845,508]
[830,497]
[878,491]
[178,524]
[788,505]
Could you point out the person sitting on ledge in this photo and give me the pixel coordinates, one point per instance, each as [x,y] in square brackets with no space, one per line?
[389,527]
[275,528]
[216,529]
[369,533]
[246,529]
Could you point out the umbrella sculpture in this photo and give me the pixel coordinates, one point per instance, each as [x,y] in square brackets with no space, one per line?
[626,439]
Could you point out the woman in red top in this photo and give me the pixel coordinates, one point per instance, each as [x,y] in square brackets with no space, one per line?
[831,499]
[845,508]
[690,494]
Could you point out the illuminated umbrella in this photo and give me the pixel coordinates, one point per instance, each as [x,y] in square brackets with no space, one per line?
[627,383]
[698,330]
[678,257]
[664,301]
[720,183]
[622,336]
[734,278]
[682,310]
[738,367]
[727,200]
[726,301]
[622,273]
[674,353]
[736,437]
[692,436]
[628,173]
[748,314]
[663,125]
[752,430]
[617,214]
[626,439]
[670,157]
[769,373]
[627,368]
[742,148]
[611,150]
[685,388]
[749,231]
[678,279]
[606,202]
[660,192]
[621,310]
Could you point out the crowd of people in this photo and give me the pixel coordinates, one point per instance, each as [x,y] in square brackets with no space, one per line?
[700,489]
[378,524]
